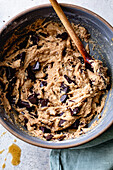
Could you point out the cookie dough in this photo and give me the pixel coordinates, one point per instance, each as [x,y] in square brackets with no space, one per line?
[45,80]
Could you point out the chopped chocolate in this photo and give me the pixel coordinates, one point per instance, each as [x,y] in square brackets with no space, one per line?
[10,72]
[61,138]
[85,100]
[44,129]
[88,66]
[69,80]
[43,102]
[23,44]
[60,114]
[64,87]
[81,60]
[43,83]
[31,75]
[61,122]
[75,124]
[64,98]
[49,137]
[64,52]
[22,113]
[74,111]
[34,39]
[43,34]
[22,104]
[33,99]
[46,77]
[36,66]
[63,36]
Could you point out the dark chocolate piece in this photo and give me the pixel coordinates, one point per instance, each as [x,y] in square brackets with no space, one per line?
[43,83]
[43,34]
[69,80]
[64,87]
[75,111]
[49,137]
[63,36]
[81,60]
[35,39]
[61,138]
[43,102]
[36,66]
[61,122]
[33,99]
[64,98]
[10,72]
[22,104]
[75,124]
[44,129]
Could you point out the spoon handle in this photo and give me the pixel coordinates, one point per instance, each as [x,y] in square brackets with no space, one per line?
[70,30]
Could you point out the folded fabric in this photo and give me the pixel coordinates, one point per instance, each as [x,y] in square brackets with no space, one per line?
[94,155]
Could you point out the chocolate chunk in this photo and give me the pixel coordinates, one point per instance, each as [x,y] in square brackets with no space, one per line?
[46,77]
[85,100]
[31,109]
[2,85]
[22,57]
[64,52]
[73,66]
[69,80]
[43,34]
[61,122]
[64,98]
[22,104]
[81,60]
[44,129]
[34,39]
[60,114]
[49,137]
[75,124]
[45,68]
[36,66]
[10,72]
[25,122]
[75,111]
[39,46]
[22,113]
[33,99]
[61,138]
[43,102]
[31,75]
[12,99]
[81,70]
[43,83]
[91,84]
[88,66]
[36,116]
[63,36]
[23,43]
[64,87]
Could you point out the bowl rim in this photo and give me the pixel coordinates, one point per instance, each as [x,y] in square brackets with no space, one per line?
[3,122]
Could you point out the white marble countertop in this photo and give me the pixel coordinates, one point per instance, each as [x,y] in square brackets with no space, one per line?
[32,157]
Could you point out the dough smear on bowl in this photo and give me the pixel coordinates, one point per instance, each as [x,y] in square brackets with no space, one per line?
[45,80]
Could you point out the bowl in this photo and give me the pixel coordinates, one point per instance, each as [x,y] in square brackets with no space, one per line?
[101,36]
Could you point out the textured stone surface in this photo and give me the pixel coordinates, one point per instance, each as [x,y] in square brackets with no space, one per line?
[33,157]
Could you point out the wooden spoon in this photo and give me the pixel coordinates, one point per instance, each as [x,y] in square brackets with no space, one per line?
[70,31]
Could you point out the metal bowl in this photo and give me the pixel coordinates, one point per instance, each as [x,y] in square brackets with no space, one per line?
[101,35]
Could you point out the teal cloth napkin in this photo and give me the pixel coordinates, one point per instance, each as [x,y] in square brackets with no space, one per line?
[94,155]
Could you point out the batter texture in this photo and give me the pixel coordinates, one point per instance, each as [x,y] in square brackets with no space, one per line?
[48,85]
